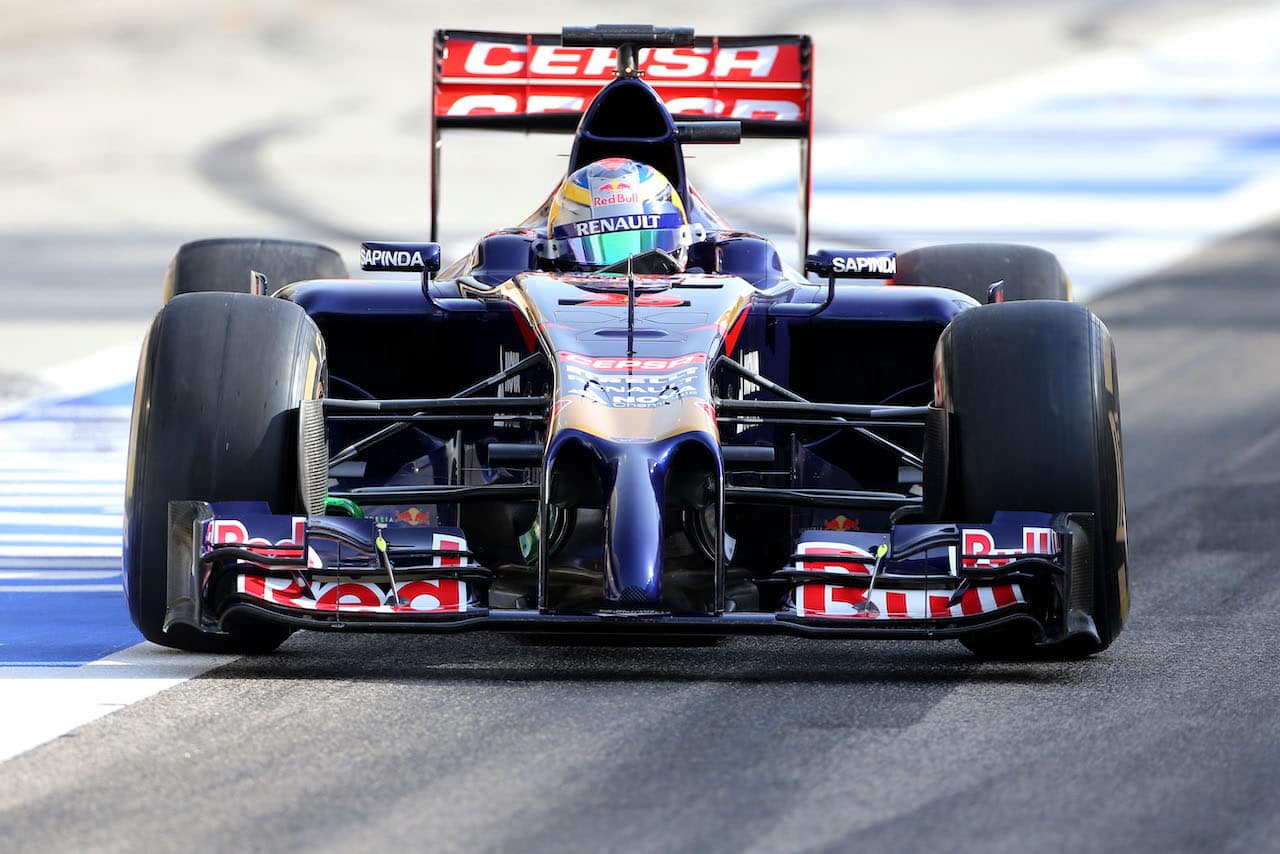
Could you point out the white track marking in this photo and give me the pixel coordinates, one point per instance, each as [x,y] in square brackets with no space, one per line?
[77,539]
[42,703]
[84,552]
[59,588]
[57,574]
[80,488]
[63,520]
[108,502]
[89,374]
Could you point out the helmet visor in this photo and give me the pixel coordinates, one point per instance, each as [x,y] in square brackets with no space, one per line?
[608,240]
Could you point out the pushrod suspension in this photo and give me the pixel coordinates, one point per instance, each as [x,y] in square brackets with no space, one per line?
[868,411]
[390,430]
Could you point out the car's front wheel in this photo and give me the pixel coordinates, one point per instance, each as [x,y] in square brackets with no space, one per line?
[214,419]
[1032,402]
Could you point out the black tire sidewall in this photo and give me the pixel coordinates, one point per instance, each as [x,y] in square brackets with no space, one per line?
[1030,389]
[214,420]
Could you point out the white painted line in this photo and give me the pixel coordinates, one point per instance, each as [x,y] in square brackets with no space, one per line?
[59,588]
[42,703]
[96,371]
[113,490]
[82,552]
[67,475]
[63,520]
[110,503]
[61,562]
[57,574]
[98,466]
[78,539]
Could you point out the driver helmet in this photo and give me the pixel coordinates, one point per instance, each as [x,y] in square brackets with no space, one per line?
[612,209]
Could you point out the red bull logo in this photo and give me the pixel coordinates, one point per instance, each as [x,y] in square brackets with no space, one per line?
[614,192]
[413,516]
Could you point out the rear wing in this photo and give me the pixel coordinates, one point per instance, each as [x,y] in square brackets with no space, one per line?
[537,83]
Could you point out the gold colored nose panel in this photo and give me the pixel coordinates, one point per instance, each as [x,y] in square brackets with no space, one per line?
[650,424]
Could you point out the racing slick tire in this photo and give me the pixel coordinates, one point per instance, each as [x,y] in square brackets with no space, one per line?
[214,419]
[224,264]
[971,268]
[1033,414]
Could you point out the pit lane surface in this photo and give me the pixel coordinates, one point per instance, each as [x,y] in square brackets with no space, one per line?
[478,742]
[1167,741]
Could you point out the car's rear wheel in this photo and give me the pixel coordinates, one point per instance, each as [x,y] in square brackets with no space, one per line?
[1026,272]
[214,419]
[1032,407]
[224,264]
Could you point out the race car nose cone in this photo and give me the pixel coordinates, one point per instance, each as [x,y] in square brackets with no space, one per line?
[633,528]
[644,487]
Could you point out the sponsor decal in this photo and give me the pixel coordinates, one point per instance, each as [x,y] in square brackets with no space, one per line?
[764,82]
[819,549]
[390,258]
[625,364]
[978,548]
[233,532]
[758,109]
[604,225]
[428,595]
[611,224]
[842,523]
[762,63]
[885,265]
[633,390]
[413,516]
[420,596]
[614,192]
[399,257]
[832,601]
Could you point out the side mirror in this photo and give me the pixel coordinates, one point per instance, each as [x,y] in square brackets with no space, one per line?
[400,257]
[832,264]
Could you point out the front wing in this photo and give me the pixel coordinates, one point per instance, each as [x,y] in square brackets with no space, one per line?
[933,580]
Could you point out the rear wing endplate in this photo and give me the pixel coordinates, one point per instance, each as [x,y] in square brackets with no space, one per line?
[535,83]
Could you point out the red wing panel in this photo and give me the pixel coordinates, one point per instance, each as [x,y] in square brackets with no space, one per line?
[758,80]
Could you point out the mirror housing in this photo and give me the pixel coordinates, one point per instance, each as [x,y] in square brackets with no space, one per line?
[397,257]
[852,264]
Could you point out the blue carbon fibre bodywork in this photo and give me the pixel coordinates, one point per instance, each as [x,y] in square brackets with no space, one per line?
[634,478]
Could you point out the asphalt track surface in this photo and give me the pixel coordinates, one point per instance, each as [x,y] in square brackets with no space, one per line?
[1168,741]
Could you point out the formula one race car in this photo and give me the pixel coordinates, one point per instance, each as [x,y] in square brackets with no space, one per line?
[624,416]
